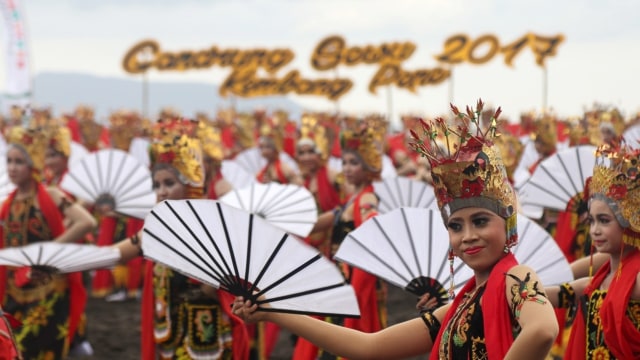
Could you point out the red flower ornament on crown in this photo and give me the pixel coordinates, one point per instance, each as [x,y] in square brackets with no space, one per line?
[468,170]
[616,181]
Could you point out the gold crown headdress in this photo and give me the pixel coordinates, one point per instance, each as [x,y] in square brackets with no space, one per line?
[616,181]
[511,150]
[244,130]
[366,138]
[473,175]
[604,118]
[124,126]
[59,138]
[84,113]
[273,129]
[211,140]
[34,142]
[577,132]
[173,145]
[545,132]
[313,133]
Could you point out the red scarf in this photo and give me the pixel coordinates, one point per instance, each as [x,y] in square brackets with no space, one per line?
[621,337]
[211,189]
[498,332]
[328,197]
[77,292]
[278,168]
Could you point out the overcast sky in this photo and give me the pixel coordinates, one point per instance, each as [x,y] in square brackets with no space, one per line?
[598,61]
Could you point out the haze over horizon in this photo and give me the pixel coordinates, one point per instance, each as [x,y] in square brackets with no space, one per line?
[597,62]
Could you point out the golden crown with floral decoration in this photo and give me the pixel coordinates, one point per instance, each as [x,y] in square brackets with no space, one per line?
[244,130]
[211,140]
[273,129]
[545,132]
[511,150]
[473,174]
[314,133]
[84,113]
[616,180]
[34,141]
[366,138]
[59,137]
[174,145]
[124,126]
[603,117]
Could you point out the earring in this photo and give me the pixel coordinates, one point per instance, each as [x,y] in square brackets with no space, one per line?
[451,284]
[506,249]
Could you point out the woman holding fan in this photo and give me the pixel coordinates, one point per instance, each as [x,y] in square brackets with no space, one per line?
[49,310]
[478,207]
[606,325]
[181,317]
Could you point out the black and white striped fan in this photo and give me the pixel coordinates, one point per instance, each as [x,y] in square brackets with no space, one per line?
[407,247]
[60,258]
[245,255]
[559,178]
[113,177]
[290,207]
[402,191]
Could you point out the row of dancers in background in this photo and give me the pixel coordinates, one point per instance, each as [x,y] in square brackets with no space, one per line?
[186,157]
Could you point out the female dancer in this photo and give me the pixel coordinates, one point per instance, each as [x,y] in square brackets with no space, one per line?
[607,324]
[478,208]
[181,317]
[49,311]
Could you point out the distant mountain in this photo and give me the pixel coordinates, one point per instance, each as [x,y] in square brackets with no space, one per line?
[65,91]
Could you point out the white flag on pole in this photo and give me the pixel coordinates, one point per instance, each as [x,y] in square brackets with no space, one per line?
[18,76]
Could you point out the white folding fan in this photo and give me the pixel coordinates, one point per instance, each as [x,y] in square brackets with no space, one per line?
[558,178]
[409,247]
[61,258]
[290,207]
[537,249]
[247,256]
[388,169]
[252,161]
[236,175]
[632,136]
[139,148]
[402,191]
[77,153]
[115,177]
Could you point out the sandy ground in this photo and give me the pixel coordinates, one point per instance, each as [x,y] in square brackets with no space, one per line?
[114,328]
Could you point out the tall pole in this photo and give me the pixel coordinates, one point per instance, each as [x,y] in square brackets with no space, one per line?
[145,95]
[545,85]
[336,102]
[451,84]
[390,117]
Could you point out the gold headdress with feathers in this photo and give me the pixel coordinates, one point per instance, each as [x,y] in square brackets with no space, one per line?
[366,138]
[616,180]
[473,174]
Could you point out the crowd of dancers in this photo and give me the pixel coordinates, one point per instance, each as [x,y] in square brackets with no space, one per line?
[475,162]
